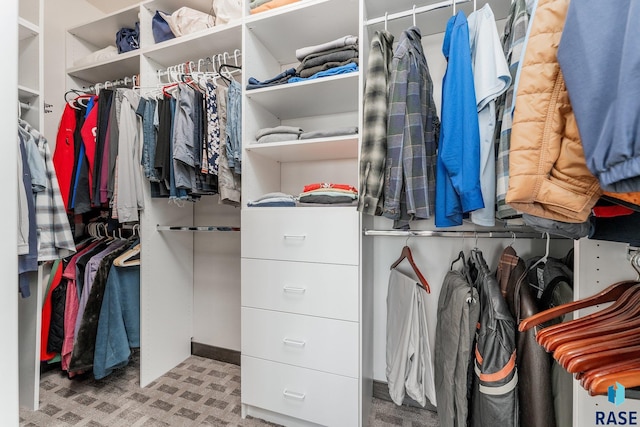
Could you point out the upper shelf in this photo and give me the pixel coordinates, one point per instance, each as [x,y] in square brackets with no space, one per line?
[102,32]
[431,22]
[275,28]
[170,6]
[335,148]
[215,40]
[125,64]
[27,29]
[326,95]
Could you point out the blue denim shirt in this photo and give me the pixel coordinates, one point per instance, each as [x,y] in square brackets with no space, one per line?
[234,127]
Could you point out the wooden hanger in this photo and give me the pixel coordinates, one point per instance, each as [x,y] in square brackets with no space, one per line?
[125,259]
[609,294]
[594,360]
[566,352]
[406,254]
[624,302]
[630,378]
[587,378]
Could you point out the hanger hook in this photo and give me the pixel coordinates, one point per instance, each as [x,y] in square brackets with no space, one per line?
[386,17]
[513,238]
[453,5]
[475,233]
[414,15]
[635,263]
[474,5]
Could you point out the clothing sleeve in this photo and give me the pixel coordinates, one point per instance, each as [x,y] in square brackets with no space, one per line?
[395,137]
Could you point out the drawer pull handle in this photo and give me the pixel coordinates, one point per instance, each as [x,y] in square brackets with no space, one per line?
[293,394]
[295,236]
[295,343]
[294,290]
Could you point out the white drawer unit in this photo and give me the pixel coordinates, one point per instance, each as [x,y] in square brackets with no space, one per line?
[317,397]
[306,341]
[326,290]
[323,235]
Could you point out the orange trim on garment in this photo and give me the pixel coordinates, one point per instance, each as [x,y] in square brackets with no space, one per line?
[502,373]
[478,355]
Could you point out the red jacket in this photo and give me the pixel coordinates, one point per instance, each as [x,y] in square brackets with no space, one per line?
[63,156]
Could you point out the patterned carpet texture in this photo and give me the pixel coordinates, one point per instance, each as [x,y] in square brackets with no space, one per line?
[198,392]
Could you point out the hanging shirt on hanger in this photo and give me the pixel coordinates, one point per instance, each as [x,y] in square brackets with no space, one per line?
[491,79]
[458,170]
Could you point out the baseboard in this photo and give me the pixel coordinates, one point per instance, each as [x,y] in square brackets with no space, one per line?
[381,391]
[216,353]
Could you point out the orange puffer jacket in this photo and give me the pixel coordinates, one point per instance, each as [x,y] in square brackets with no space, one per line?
[548,176]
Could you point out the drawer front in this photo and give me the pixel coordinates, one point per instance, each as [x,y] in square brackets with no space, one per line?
[318,397]
[325,290]
[310,342]
[329,235]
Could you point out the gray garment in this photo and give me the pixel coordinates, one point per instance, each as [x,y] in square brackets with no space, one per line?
[278,129]
[373,151]
[559,228]
[408,354]
[23,204]
[274,195]
[278,137]
[303,52]
[234,127]
[458,314]
[325,199]
[308,72]
[35,162]
[255,3]
[114,137]
[183,139]
[130,195]
[327,133]
[334,55]
[561,380]
[228,182]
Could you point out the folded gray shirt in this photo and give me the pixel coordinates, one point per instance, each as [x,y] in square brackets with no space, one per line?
[278,137]
[308,72]
[278,129]
[326,133]
[334,55]
[333,44]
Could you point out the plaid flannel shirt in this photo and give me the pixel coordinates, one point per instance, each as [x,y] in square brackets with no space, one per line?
[374,136]
[55,239]
[412,134]
[513,42]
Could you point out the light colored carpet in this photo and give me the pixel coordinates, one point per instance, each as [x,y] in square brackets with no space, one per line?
[198,392]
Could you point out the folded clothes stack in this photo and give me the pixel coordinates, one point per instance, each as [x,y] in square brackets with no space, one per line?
[335,57]
[257,6]
[276,199]
[292,133]
[328,194]
[278,134]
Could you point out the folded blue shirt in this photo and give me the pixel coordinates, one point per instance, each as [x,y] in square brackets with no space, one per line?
[281,78]
[343,69]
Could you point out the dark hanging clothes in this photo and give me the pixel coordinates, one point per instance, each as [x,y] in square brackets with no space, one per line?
[163,154]
[56,327]
[104,111]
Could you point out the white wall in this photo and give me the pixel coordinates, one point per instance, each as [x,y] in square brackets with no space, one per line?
[8,217]
[216,277]
[58,16]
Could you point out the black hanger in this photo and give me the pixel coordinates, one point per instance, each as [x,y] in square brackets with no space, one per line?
[225,65]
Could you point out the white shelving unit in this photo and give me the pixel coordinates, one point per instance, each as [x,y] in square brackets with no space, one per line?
[300,261]
[30,86]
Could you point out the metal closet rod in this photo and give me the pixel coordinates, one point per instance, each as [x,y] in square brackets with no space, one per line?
[464,234]
[196,228]
[415,10]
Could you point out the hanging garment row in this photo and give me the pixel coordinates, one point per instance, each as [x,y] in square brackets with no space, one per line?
[97,155]
[44,233]
[485,371]
[196,148]
[91,311]
[482,158]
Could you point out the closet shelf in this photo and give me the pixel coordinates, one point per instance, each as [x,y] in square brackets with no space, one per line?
[26,93]
[102,32]
[170,6]
[209,228]
[326,95]
[339,147]
[275,28]
[218,39]
[27,29]
[125,64]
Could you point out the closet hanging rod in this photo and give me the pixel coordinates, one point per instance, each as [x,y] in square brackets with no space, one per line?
[209,228]
[25,106]
[191,66]
[416,11]
[463,234]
